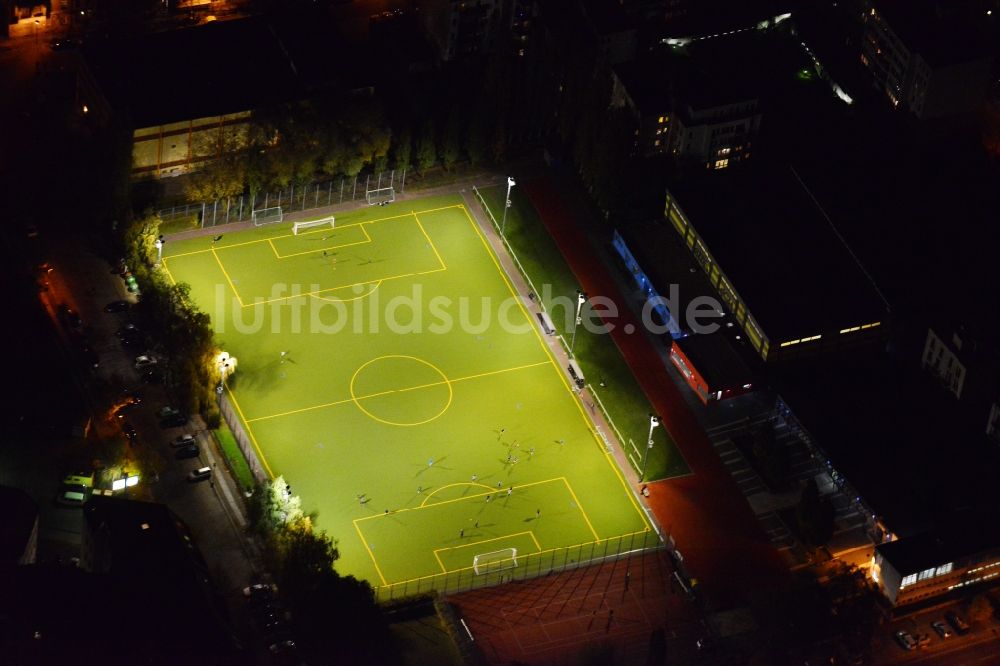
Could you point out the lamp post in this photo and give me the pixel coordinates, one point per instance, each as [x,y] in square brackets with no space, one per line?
[227,365]
[159,249]
[503,224]
[654,421]
[581,298]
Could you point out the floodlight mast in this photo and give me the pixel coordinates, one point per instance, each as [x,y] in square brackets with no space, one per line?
[654,421]
[581,298]
[503,224]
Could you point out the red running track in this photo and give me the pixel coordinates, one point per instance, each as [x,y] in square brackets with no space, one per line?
[722,542]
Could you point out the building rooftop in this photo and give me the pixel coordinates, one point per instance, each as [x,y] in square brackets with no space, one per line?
[213,69]
[780,253]
[943,33]
[963,535]
[900,439]
[716,360]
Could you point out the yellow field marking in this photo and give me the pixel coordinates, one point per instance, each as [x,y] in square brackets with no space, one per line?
[253,440]
[228,279]
[370,553]
[278,255]
[348,300]
[170,275]
[258,302]
[576,546]
[429,241]
[357,402]
[465,498]
[580,507]
[452,485]
[342,226]
[538,547]
[555,365]
[411,388]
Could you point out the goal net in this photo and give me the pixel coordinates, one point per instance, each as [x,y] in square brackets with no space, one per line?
[498,560]
[263,216]
[380,196]
[323,222]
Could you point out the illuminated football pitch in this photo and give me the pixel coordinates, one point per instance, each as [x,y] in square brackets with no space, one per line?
[416,409]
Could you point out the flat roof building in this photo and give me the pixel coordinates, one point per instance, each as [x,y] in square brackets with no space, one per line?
[711,366]
[776,261]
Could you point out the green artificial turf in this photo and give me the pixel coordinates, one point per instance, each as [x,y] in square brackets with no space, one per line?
[597,354]
[380,404]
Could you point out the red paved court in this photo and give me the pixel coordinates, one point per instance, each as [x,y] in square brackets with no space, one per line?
[569,617]
[722,543]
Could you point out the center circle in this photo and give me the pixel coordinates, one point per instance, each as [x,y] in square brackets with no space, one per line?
[401,390]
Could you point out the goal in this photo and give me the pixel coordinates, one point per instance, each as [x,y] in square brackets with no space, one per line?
[498,560]
[322,222]
[380,196]
[262,216]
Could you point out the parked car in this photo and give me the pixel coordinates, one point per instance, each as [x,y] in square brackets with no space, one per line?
[258,590]
[144,361]
[905,640]
[127,330]
[189,451]
[73,495]
[955,620]
[133,340]
[117,306]
[174,421]
[184,440]
[152,376]
[167,411]
[129,431]
[70,317]
[200,474]
[923,640]
[941,628]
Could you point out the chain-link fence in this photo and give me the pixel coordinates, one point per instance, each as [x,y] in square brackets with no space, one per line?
[526,566]
[290,199]
[242,439]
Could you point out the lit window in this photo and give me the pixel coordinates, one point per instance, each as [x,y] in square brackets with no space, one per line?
[663,119]
[723,151]
[721,164]
[656,143]
[943,569]
[926,573]
[908,580]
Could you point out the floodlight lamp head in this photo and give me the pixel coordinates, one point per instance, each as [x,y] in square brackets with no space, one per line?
[654,420]
[581,297]
[510,181]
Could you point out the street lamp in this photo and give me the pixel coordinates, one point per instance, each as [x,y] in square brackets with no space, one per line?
[503,224]
[227,365]
[654,421]
[581,298]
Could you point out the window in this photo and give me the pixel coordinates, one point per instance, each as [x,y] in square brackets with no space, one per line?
[926,573]
[662,119]
[943,569]
[908,580]
[721,164]
[723,151]
[656,143]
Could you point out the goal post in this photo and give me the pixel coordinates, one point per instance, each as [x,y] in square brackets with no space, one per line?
[262,216]
[308,224]
[497,560]
[380,196]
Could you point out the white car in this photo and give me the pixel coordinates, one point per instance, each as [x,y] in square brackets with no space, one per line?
[200,474]
[142,362]
[184,440]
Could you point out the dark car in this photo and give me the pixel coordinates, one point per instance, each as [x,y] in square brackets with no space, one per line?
[127,330]
[129,431]
[153,376]
[133,340]
[184,440]
[117,306]
[954,619]
[174,421]
[189,451]
[69,317]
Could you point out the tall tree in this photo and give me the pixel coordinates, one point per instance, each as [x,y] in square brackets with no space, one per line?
[451,145]
[426,154]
